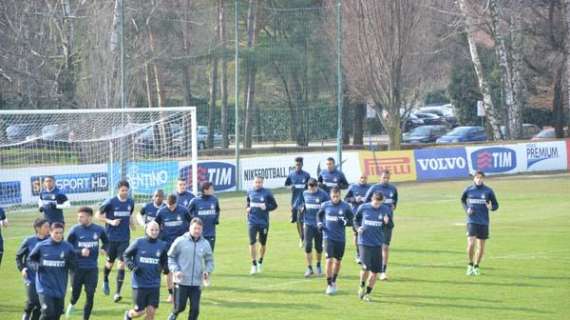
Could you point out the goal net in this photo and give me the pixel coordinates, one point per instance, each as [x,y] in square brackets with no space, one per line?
[88,151]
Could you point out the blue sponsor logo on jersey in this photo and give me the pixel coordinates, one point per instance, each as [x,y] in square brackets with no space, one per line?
[494,160]
[536,153]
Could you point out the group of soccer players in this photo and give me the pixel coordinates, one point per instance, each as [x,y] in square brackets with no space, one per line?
[180,235]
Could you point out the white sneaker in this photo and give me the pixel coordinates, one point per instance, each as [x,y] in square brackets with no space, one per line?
[330,290]
[383,276]
[259,267]
[470,271]
[253,270]
[308,272]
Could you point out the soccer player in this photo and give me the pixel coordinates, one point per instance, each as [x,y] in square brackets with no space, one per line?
[52,260]
[146,257]
[356,196]
[207,208]
[311,202]
[333,217]
[184,197]
[85,238]
[477,200]
[191,261]
[390,194]
[332,177]
[32,307]
[148,212]
[52,201]
[173,220]
[117,213]
[260,202]
[3,224]
[369,221]
[297,181]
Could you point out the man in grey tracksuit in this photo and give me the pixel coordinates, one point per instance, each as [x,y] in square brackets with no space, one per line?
[191,261]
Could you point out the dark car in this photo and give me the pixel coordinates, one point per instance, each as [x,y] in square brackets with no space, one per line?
[430,119]
[411,122]
[21,132]
[442,113]
[464,134]
[147,140]
[424,134]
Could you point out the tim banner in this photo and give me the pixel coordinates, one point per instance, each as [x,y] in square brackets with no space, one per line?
[500,159]
[400,163]
[10,192]
[74,183]
[147,176]
[546,156]
[441,163]
[220,173]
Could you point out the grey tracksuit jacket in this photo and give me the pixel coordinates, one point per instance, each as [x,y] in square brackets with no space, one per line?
[192,258]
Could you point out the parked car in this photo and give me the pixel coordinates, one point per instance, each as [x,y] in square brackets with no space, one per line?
[430,118]
[203,137]
[463,134]
[20,132]
[145,140]
[412,121]
[55,132]
[548,133]
[424,134]
[529,130]
[443,112]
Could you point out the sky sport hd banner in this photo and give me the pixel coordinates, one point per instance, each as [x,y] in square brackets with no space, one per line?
[400,163]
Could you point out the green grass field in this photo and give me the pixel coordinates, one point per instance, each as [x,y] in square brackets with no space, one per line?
[525,273]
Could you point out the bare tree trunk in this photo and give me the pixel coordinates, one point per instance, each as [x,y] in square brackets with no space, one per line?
[490,110]
[358,124]
[558,103]
[223,75]
[567,53]
[186,45]
[114,44]
[66,77]
[163,130]
[213,98]
[148,85]
[250,74]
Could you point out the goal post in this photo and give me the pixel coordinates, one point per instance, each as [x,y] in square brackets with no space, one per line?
[89,150]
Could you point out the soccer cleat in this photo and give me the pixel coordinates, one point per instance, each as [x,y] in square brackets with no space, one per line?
[330,290]
[334,288]
[476,271]
[106,289]
[357,260]
[309,272]
[361,293]
[259,267]
[470,270]
[366,298]
[253,270]
[126,317]
[300,243]
[319,271]
[383,276]
[69,311]
[117,297]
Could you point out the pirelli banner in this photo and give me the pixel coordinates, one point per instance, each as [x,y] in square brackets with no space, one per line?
[400,163]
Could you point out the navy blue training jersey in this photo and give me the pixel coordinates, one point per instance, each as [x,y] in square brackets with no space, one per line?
[23,253]
[255,200]
[329,179]
[114,208]
[312,202]
[356,195]
[372,222]
[184,198]
[174,223]
[389,192]
[149,211]
[146,258]
[297,180]
[87,237]
[52,260]
[2,217]
[335,218]
[477,198]
[207,208]
[49,199]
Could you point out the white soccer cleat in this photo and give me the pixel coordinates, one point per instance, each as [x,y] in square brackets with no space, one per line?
[300,243]
[383,276]
[308,272]
[330,290]
[259,267]
[253,270]
[470,271]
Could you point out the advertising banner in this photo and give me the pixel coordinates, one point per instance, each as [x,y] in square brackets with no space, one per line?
[441,163]
[147,176]
[10,192]
[546,156]
[400,163]
[220,173]
[501,159]
[74,183]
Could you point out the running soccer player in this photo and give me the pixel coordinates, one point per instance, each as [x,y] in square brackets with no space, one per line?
[332,177]
[52,201]
[182,195]
[3,224]
[477,200]
[32,307]
[207,207]
[356,196]
[52,260]
[297,181]
[369,221]
[191,261]
[117,213]
[148,212]
[333,217]
[85,238]
[173,220]
[390,194]
[146,257]
[260,202]
[311,202]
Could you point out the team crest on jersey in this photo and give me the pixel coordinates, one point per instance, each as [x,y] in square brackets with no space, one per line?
[62,255]
[340,213]
[95,236]
[334,179]
[178,218]
[317,200]
[212,207]
[158,253]
[262,199]
[391,194]
[129,208]
[482,196]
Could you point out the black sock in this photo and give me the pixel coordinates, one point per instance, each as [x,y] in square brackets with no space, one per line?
[318,264]
[106,272]
[260,260]
[329,281]
[254,262]
[334,277]
[120,279]
[310,267]
[362,284]
[471,263]
[384,267]
[476,266]
[368,290]
[170,291]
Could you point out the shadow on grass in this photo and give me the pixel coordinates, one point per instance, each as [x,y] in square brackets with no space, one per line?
[262,305]
[467,307]
[427,266]
[427,251]
[473,281]
[434,297]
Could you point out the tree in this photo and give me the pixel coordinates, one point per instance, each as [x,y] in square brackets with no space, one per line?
[224,74]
